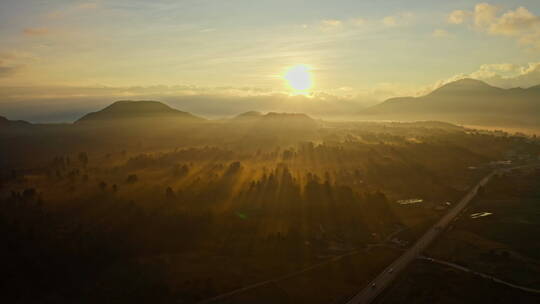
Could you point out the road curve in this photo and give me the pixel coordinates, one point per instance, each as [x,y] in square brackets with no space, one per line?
[390,273]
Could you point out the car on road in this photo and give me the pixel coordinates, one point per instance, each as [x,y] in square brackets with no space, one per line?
[373,285]
[391,270]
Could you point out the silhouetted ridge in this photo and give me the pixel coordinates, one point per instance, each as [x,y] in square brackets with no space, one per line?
[276,119]
[127,109]
[248,115]
[534,88]
[6,122]
[277,116]
[465,101]
[467,86]
[286,121]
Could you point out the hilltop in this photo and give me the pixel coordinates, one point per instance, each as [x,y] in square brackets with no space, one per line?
[287,116]
[250,115]
[9,123]
[127,109]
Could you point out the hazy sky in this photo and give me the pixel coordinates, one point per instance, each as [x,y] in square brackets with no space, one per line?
[358,48]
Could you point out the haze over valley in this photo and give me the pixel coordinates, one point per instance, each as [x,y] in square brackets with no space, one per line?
[269,151]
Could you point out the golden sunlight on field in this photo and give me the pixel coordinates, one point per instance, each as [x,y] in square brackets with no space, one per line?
[238,152]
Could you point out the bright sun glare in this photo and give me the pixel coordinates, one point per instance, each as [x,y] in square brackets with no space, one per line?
[299,78]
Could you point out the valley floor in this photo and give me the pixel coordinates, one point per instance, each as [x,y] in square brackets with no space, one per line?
[500,244]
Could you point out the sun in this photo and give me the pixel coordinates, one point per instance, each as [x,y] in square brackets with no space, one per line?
[299,79]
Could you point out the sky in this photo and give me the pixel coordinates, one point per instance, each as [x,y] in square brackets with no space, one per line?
[92,52]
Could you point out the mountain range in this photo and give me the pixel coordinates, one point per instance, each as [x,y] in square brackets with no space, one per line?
[465,101]
[6,122]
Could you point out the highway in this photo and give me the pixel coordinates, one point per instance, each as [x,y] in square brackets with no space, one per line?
[385,278]
[390,273]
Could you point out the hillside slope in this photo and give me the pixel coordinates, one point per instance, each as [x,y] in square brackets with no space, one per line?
[127,109]
[466,101]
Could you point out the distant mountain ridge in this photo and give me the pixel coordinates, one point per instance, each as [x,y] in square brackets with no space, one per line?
[271,115]
[6,122]
[467,86]
[280,116]
[129,109]
[465,101]
[274,121]
[248,116]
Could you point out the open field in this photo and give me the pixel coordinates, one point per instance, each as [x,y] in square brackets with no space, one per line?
[327,284]
[497,243]
[193,210]
[500,243]
[426,283]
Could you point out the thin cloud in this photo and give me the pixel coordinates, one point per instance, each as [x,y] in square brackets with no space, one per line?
[400,19]
[36,31]
[331,24]
[77,8]
[11,61]
[87,5]
[390,21]
[16,55]
[7,69]
[459,17]
[440,33]
[358,21]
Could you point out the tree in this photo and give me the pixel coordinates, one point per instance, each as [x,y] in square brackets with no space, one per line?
[83,158]
[29,193]
[170,193]
[132,178]
[234,168]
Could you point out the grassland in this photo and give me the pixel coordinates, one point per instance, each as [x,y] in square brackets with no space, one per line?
[503,245]
[119,213]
